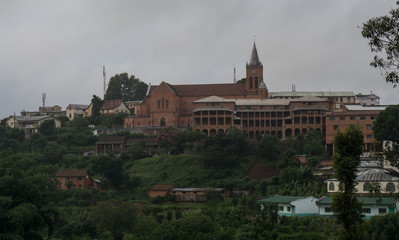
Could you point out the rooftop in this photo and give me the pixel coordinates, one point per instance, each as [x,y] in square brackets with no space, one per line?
[364,200]
[315,94]
[279,199]
[72,173]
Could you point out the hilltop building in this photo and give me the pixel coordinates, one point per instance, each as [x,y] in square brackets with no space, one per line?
[249,106]
[75,110]
[30,123]
[367,99]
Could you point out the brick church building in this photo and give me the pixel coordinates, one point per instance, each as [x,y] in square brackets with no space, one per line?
[249,106]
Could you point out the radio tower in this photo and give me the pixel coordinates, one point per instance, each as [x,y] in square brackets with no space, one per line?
[105,83]
[44,99]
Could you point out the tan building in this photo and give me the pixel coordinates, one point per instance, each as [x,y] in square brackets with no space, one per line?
[113,107]
[30,123]
[74,110]
[75,178]
[363,116]
[368,99]
[387,178]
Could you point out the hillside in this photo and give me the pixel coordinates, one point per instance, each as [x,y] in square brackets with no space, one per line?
[183,171]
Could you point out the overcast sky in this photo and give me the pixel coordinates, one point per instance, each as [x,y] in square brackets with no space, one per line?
[59,47]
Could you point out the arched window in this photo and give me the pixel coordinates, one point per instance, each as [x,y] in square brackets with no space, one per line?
[390,187]
[256,82]
[331,186]
[250,83]
[366,186]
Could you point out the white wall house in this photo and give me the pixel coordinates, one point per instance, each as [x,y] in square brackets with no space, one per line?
[371,206]
[387,178]
[293,205]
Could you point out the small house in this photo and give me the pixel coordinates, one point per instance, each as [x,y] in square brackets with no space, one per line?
[160,190]
[293,205]
[75,178]
[371,206]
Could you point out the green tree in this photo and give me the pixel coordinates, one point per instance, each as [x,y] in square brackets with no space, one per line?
[386,128]
[225,149]
[313,143]
[47,128]
[96,103]
[348,147]
[383,36]
[268,149]
[121,86]
[115,217]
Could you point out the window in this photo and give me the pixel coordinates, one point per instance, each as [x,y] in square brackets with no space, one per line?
[342,118]
[331,186]
[363,118]
[335,127]
[366,210]
[372,117]
[366,186]
[288,209]
[280,208]
[167,103]
[390,187]
[352,118]
[369,136]
[382,210]
[368,126]
[327,209]
[332,118]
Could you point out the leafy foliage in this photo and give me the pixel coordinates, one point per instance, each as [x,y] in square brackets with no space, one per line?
[383,35]
[115,217]
[267,147]
[121,86]
[386,127]
[225,150]
[348,147]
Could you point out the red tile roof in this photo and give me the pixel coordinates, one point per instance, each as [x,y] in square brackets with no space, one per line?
[196,90]
[72,173]
[354,113]
[111,139]
[111,104]
[162,187]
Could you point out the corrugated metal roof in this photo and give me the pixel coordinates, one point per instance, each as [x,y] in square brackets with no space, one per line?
[364,200]
[315,94]
[213,99]
[31,118]
[311,108]
[377,175]
[279,199]
[356,107]
[243,102]
[213,109]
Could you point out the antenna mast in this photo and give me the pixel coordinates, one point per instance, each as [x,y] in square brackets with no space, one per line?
[105,83]
[235,79]
[44,99]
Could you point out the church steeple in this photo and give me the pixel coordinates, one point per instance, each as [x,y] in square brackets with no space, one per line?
[254,83]
[254,60]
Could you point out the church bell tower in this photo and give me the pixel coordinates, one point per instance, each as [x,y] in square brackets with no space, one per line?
[254,84]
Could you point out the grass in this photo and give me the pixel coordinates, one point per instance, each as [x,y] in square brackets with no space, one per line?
[181,170]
